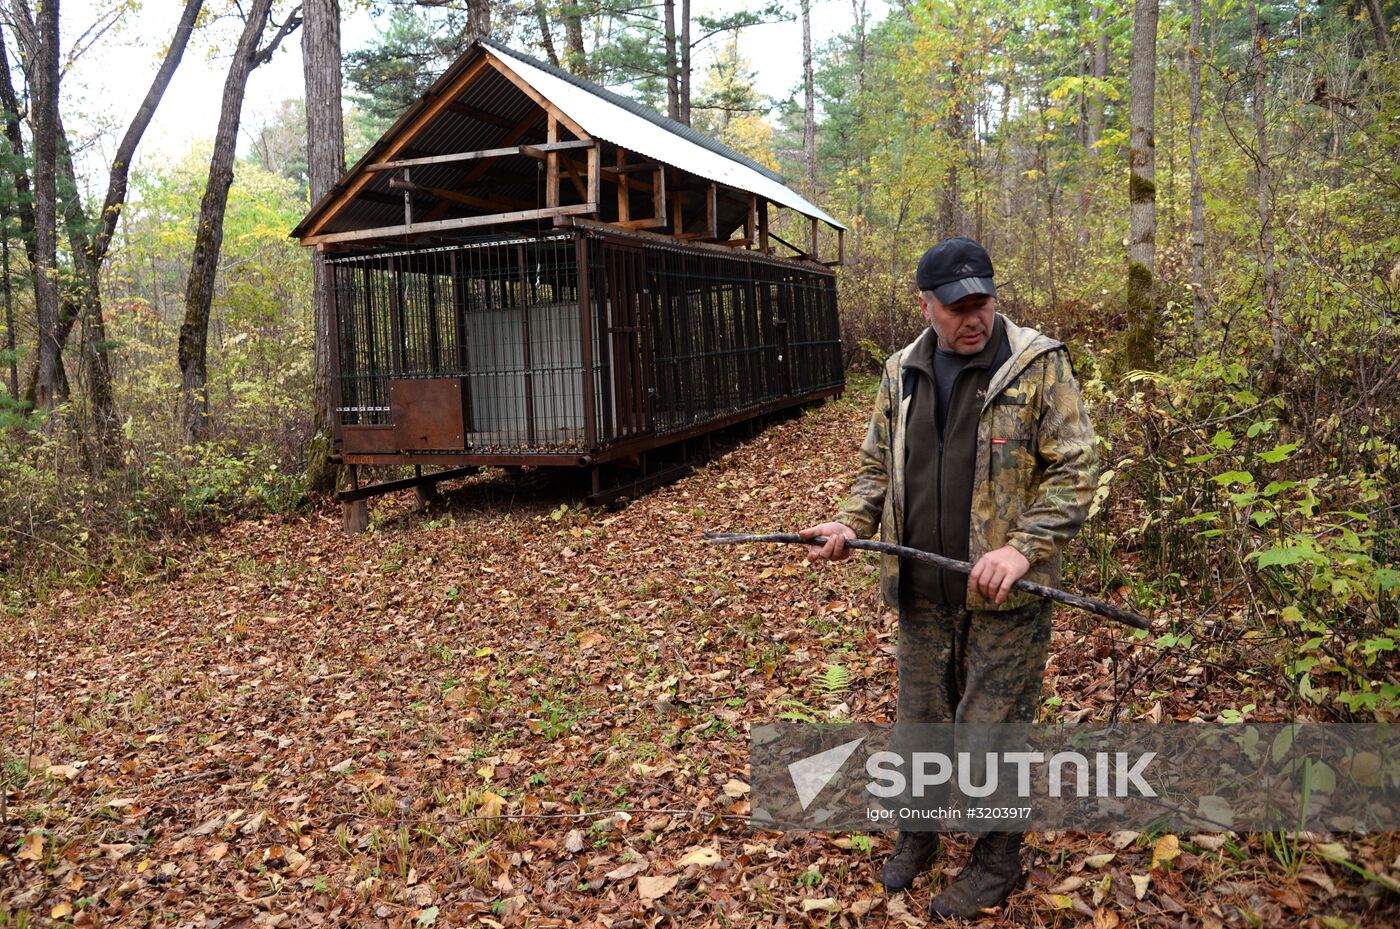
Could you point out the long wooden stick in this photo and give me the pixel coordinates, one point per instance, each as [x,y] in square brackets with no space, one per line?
[1109,610]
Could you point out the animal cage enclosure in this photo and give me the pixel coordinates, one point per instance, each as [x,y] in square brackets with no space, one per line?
[570,348]
[529,269]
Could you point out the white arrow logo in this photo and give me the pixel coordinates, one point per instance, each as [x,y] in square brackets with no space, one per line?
[811,775]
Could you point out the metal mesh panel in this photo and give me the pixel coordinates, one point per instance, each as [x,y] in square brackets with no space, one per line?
[679,337]
[502,314]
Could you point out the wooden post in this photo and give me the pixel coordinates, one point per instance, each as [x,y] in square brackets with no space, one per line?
[624,204]
[594,173]
[812,251]
[763,228]
[712,211]
[356,516]
[840,246]
[658,195]
[750,220]
[551,190]
[677,214]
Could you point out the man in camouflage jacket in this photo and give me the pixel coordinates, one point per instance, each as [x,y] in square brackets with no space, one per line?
[980,449]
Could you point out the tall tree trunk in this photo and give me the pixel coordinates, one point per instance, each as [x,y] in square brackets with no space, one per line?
[673,85]
[478,22]
[685,61]
[325,160]
[1140,343]
[9,303]
[1099,71]
[573,37]
[209,234]
[1198,196]
[1263,188]
[14,134]
[1380,27]
[95,357]
[858,10]
[951,219]
[809,101]
[91,253]
[546,38]
[44,83]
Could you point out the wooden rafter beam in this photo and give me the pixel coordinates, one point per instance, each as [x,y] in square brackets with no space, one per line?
[533,151]
[574,177]
[419,122]
[442,225]
[512,137]
[506,72]
[480,115]
[497,203]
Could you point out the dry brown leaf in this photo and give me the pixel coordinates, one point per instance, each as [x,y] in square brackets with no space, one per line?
[702,855]
[628,869]
[33,847]
[898,910]
[655,887]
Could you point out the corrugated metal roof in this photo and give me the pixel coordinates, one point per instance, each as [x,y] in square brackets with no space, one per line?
[599,111]
[606,115]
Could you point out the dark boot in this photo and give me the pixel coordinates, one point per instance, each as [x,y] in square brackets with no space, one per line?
[913,853]
[988,879]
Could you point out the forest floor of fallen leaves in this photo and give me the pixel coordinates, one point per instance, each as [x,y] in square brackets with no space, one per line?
[512,710]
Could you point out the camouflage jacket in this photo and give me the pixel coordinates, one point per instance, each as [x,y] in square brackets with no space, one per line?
[1036,470]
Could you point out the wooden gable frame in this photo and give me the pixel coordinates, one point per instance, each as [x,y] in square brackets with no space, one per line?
[676,204]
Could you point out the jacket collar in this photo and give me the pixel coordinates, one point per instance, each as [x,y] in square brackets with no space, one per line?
[1027,344]
[920,354]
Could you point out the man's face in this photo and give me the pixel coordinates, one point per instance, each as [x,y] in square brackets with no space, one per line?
[962,327]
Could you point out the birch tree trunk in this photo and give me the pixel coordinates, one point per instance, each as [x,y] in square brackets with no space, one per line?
[325,160]
[1140,341]
[209,233]
[1198,194]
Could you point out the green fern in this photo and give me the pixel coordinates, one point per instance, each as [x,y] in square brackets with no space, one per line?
[834,680]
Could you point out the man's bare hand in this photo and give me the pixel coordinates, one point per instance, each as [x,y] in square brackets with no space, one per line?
[835,548]
[996,571]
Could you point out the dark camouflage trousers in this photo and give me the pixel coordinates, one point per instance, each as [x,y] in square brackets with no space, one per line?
[970,666]
[967,667]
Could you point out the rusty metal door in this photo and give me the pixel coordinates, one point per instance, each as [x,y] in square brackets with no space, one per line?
[629,302]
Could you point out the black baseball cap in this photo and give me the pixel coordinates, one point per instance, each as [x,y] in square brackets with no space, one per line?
[956,268]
